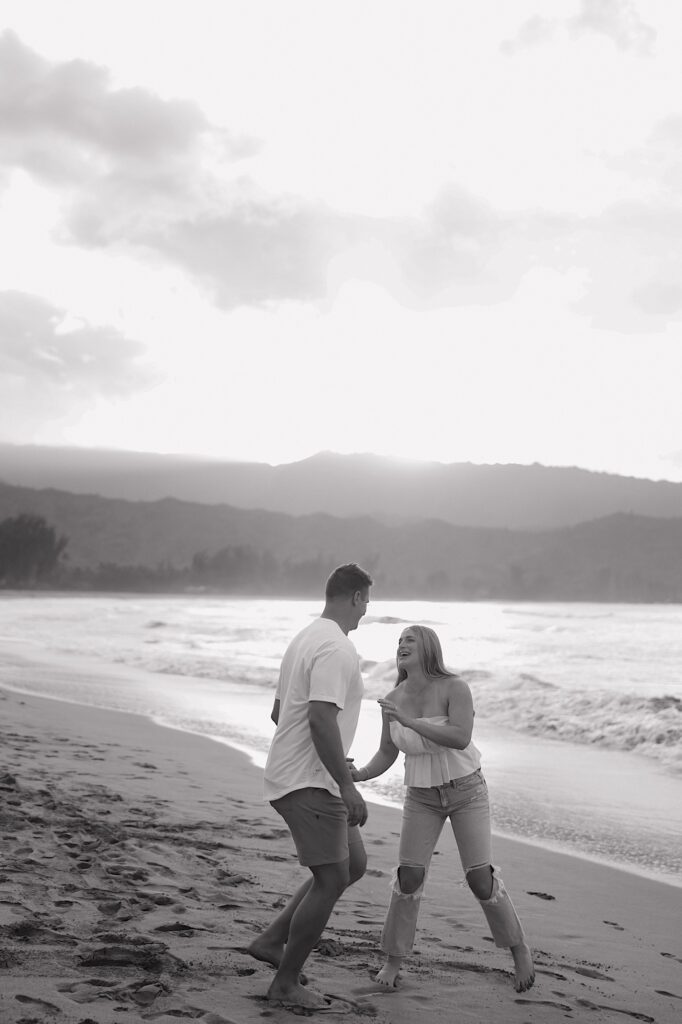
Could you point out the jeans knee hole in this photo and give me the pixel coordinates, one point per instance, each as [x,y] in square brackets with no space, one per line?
[411,885]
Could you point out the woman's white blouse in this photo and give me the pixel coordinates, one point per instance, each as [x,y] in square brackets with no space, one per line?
[428,763]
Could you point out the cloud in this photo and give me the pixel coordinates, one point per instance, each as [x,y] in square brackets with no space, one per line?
[618,20]
[461,250]
[259,252]
[133,172]
[65,124]
[534,31]
[42,348]
[659,159]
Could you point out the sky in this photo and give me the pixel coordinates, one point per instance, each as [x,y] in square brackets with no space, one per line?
[262,229]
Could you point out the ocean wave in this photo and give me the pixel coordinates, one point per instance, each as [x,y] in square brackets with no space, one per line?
[644,725]
[392,620]
[526,703]
[557,613]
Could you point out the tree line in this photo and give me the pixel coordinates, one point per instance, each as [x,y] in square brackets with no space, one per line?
[33,555]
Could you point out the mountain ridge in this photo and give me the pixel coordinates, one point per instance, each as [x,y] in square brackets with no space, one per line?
[622,557]
[512,496]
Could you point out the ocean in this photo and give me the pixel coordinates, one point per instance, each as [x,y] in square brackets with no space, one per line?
[578,706]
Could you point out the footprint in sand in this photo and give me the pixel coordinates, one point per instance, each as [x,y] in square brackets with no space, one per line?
[616,1009]
[275,833]
[181,929]
[90,990]
[148,956]
[42,1003]
[464,965]
[329,947]
[226,877]
[589,972]
[551,974]
[544,1002]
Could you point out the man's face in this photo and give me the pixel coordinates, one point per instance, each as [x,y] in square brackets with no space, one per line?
[360,602]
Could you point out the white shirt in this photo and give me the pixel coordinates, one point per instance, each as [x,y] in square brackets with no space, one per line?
[322,664]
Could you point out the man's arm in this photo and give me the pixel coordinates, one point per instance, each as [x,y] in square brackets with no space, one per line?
[326,738]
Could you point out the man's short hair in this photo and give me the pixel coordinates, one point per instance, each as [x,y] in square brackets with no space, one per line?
[346,580]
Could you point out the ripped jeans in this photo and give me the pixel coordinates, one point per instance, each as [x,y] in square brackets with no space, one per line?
[465,802]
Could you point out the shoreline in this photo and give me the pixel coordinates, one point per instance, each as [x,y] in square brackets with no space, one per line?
[66,663]
[673,881]
[137,868]
[257,759]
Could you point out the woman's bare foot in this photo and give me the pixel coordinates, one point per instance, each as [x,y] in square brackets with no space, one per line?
[296,995]
[388,975]
[523,967]
[270,953]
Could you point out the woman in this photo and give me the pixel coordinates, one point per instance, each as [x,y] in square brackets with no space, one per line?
[430,716]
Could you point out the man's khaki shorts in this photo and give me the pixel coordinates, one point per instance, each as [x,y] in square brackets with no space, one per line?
[318,822]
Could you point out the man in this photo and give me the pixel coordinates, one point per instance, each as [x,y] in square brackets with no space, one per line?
[308,782]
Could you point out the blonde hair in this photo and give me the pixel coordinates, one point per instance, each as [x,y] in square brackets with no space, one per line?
[430,654]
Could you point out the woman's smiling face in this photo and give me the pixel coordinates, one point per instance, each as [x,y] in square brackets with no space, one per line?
[408,649]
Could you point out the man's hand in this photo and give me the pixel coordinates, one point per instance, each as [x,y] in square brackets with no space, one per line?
[355,805]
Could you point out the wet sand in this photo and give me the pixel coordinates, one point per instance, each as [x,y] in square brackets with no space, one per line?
[138,862]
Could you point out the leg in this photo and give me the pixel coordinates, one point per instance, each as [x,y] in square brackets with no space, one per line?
[489,889]
[334,854]
[269,945]
[403,911]
[470,820]
[305,927]
[421,826]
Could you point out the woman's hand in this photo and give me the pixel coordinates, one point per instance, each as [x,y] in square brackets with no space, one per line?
[394,713]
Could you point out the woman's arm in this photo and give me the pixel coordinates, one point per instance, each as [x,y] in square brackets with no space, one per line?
[457,733]
[382,760]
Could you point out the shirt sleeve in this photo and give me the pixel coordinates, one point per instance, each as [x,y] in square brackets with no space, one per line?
[332,673]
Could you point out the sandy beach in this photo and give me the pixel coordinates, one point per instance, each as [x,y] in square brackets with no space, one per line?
[139,861]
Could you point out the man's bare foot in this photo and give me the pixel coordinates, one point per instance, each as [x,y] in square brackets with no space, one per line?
[388,975]
[524,969]
[296,995]
[270,953]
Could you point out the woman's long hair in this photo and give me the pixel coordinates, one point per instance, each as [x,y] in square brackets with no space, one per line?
[430,654]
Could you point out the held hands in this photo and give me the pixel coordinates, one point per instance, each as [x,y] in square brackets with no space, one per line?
[355,805]
[355,773]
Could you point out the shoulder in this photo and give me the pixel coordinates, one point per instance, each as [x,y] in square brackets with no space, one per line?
[455,686]
[333,646]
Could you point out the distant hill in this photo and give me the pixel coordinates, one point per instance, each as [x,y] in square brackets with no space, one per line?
[390,490]
[619,557]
